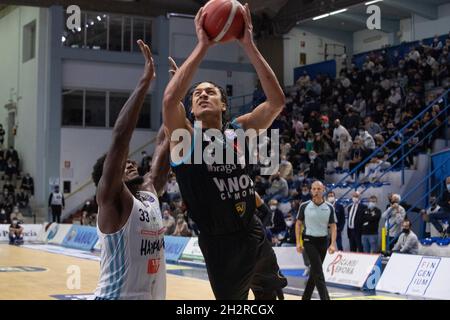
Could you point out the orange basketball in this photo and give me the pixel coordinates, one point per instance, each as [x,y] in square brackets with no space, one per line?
[224,20]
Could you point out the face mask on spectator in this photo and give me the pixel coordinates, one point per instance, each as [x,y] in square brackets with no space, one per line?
[326,125]
[405,230]
[289,222]
[331,199]
[14,222]
[355,199]
[371,205]
[305,193]
[273,207]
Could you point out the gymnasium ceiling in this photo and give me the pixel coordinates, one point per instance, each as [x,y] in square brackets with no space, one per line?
[270,16]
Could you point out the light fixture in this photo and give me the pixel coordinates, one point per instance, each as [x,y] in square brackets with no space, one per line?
[63,39]
[78,29]
[92,23]
[99,18]
[338,11]
[321,17]
[372,2]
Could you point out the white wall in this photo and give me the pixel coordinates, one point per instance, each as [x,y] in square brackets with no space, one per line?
[183,40]
[85,74]
[82,147]
[406,30]
[24,78]
[366,40]
[424,28]
[314,49]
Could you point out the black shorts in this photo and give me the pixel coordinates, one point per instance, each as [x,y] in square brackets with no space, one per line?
[242,261]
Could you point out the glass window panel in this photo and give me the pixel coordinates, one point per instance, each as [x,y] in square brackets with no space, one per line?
[116,102]
[95,112]
[72,105]
[115,33]
[127,34]
[144,117]
[75,38]
[138,33]
[96,33]
[148,31]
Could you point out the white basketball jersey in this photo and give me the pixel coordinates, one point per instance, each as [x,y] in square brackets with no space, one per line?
[132,265]
[57,199]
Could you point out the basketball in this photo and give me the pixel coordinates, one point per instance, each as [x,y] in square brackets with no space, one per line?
[224,20]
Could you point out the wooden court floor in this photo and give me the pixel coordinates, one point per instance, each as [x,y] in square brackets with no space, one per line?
[41,285]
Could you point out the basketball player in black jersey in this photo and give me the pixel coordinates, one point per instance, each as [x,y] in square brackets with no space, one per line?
[221,198]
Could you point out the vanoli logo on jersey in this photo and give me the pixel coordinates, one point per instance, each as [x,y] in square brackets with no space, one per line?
[234,188]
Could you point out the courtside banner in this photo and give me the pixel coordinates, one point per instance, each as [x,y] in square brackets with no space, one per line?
[30,232]
[414,275]
[81,237]
[351,269]
[174,247]
[56,233]
[289,258]
[192,252]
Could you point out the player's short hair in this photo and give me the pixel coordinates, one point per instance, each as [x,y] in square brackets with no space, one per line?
[97,170]
[190,96]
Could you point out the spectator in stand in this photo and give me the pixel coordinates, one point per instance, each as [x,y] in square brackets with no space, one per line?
[444,211]
[340,217]
[433,208]
[172,189]
[12,154]
[355,213]
[15,233]
[279,188]
[89,214]
[367,140]
[371,127]
[3,217]
[8,186]
[277,223]
[28,184]
[357,154]
[286,169]
[395,214]
[181,228]
[289,238]
[408,242]
[146,160]
[168,222]
[304,194]
[316,167]
[2,135]
[343,153]
[304,81]
[340,130]
[369,226]
[22,199]
[16,214]
[11,169]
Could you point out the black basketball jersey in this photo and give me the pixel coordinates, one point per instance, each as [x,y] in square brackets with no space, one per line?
[220,197]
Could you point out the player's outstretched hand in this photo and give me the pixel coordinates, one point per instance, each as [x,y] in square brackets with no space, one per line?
[149,69]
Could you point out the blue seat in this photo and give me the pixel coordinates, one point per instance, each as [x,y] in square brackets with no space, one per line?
[427,241]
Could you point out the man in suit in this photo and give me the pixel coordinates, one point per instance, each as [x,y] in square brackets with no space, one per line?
[340,216]
[355,212]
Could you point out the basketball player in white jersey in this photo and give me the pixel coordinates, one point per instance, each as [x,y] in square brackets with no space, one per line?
[129,219]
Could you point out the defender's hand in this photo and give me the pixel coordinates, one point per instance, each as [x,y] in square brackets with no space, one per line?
[149,69]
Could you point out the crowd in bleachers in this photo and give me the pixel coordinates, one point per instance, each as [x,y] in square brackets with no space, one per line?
[16,189]
[342,121]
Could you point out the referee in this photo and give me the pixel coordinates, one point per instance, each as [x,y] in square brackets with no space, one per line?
[315,216]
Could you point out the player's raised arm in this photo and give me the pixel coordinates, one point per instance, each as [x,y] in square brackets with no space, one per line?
[263,115]
[110,185]
[174,117]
